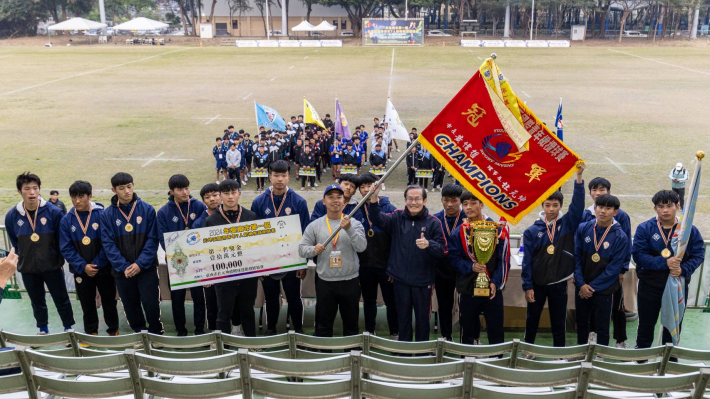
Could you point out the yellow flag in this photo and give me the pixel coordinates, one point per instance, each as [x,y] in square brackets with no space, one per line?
[310,115]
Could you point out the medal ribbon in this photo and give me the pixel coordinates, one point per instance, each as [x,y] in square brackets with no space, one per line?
[670,233]
[33,223]
[128,218]
[330,231]
[367,214]
[599,244]
[83,228]
[277,212]
[464,240]
[554,229]
[448,230]
[185,219]
[239,216]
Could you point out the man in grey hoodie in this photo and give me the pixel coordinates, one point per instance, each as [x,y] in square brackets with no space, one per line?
[338,283]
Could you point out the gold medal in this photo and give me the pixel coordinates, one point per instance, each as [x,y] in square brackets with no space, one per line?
[86,240]
[129,227]
[34,237]
[551,236]
[666,253]
[371,233]
[185,219]
[551,249]
[595,257]
[33,223]
[598,244]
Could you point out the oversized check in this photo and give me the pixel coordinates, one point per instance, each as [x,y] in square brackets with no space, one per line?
[216,254]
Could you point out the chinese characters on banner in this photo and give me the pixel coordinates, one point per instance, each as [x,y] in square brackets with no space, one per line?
[470,140]
[216,254]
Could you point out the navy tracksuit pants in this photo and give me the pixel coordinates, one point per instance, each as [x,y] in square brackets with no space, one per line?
[34,284]
[471,307]
[139,294]
[272,295]
[407,298]
[178,306]
[556,297]
[600,307]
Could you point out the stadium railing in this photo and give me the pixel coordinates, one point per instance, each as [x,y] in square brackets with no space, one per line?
[77,371]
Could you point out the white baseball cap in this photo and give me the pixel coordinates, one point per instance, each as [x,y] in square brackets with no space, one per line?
[679,166]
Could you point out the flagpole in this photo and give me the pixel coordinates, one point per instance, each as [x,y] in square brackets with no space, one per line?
[377,184]
[682,245]
[256,116]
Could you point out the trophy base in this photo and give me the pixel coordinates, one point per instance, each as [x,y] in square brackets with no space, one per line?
[482,292]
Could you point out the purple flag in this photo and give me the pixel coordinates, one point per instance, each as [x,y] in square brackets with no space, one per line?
[341,123]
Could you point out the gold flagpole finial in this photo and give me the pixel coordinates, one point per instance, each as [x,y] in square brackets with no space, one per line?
[494,56]
[700,155]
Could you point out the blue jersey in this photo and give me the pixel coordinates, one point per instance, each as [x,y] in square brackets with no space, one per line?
[335,151]
[220,153]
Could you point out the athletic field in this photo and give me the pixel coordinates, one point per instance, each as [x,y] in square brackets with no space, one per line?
[86,112]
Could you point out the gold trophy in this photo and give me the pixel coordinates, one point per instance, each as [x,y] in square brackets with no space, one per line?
[482,236]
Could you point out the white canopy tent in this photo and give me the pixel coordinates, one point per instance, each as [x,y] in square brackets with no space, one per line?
[140,23]
[325,26]
[76,23]
[304,26]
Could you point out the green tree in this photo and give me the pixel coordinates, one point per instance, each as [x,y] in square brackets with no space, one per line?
[19,18]
[356,9]
[238,6]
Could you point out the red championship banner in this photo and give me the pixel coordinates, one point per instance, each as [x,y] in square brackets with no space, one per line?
[497,148]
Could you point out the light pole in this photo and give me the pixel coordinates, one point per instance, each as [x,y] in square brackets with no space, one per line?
[506,30]
[406,9]
[532,19]
[268,33]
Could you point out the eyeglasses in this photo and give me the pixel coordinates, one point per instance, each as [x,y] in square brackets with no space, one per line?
[414,199]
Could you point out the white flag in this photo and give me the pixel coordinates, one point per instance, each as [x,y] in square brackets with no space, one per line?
[395,125]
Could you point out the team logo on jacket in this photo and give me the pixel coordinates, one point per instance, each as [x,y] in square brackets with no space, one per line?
[20,223]
[539,235]
[656,237]
[606,245]
[95,226]
[192,216]
[139,219]
[73,229]
[267,211]
[78,280]
[287,210]
[118,222]
[175,219]
[44,221]
[587,239]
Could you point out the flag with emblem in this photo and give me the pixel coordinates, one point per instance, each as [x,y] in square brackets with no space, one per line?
[673,301]
[268,118]
[310,115]
[558,122]
[394,124]
[496,147]
[341,124]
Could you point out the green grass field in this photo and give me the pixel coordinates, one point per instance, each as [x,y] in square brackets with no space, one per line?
[86,112]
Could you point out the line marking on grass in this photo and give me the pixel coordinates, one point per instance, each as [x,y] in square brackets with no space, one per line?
[90,72]
[274,78]
[389,89]
[316,51]
[661,62]
[480,58]
[618,166]
[305,58]
[528,95]
[247,96]
[210,121]
[291,67]
[152,159]
[5,56]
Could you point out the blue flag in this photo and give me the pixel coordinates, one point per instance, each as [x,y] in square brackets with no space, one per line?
[673,300]
[558,122]
[268,118]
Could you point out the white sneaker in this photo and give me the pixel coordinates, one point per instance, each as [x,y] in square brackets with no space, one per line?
[302,188]
[315,184]
[383,186]
[237,330]
[476,341]
[244,183]
[592,337]
[397,149]
[622,345]
[528,357]
[313,189]
[394,337]
[217,181]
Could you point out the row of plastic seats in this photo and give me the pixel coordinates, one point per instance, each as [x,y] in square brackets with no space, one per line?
[360,375]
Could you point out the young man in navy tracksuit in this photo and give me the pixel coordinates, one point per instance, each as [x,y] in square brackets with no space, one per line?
[549,246]
[600,249]
[280,200]
[129,234]
[80,243]
[599,186]
[418,244]
[33,229]
[235,298]
[373,261]
[180,213]
[656,259]
[219,152]
[462,258]
[450,217]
